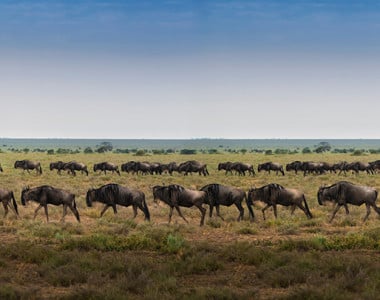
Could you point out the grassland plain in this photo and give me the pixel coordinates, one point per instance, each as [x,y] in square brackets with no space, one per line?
[116,257]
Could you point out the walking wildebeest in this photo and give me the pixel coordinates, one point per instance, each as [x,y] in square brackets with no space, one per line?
[273,194]
[270,166]
[294,166]
[241,168]
[45,195]
[106,166]
[218,194]
[172,166]
[193,166]
[225,166]
[73,166]
[344,192]
[57,166]
[8,199]
[114,194]
[28,165]
[176,196]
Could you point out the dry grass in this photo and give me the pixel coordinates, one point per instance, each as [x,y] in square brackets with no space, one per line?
[116,257]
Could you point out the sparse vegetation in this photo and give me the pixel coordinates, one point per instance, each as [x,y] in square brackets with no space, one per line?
[115,256]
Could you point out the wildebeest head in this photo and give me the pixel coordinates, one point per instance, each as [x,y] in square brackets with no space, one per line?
[90,197]
[254,194]
[24,195]
[323,195]
[158,193]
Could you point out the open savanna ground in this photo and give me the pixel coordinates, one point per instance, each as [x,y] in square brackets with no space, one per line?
[115,257]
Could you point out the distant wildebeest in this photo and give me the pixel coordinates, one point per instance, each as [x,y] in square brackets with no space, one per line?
[128,167]
[270,166]
[114,194]
[144,168]
[8,200]
[172,166]
[45,195]
[1,168]
[273,194]
[28,165]
[375,165]
[218,194]
[343,193]
[193,166]
[73,166]
[294,166]
[225,166]
[176,196]
[241,168]
[106,166]
[57,166]
[311,167]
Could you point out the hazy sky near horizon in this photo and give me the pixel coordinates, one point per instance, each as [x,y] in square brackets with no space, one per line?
[190,69]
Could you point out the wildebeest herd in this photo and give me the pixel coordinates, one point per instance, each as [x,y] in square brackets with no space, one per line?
[215,195]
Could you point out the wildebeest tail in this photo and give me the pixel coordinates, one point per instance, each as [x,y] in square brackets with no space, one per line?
[14,202]
[39,168]
[146,209]
[307,207]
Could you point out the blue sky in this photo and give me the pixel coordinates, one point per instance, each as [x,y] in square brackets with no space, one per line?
[185,69]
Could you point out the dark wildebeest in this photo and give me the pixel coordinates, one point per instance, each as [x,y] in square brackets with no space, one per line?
[273,194]
[143,167]
[375,165]
[45,195]
[218,194]
[176,196]
[312,167]
[225,166]
[241,168]
[114,194]
[270,166]
[193,166]
[128,167]
[8,199]
[106,166]
[28,165]
[73,166]
[357,166]
[343,193]
[294,166]
[172,166]
[58,165]
[1,169]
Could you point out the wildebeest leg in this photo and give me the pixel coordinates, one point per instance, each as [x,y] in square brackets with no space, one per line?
[180,213]
[46,212]
[135,211]
[303,209]
[335,211]
[170,214]
[346,208]
[211,209]
[203,212]
[368,211]
[75,212]
[275,210]
[64,212]
[107,206]
[293,209]
[36,211]
[241,211]
[5,204]
[114,209]
[264,209]
[218,212]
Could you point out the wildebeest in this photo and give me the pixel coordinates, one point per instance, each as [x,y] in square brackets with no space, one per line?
[114,194]
[312,167]
[28,165]
[270,166]
[172,166]
[175,196]
[344,192]
[8,200]
[375,165]
[106,166]
[294,166]
[58,165]
[241,168]
[193,166]
[1,168]
[45,195]
[273,194]
[357,166]
[73,166]
[218,194]
[227,166]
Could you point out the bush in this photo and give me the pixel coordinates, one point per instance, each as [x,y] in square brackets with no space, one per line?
[88,150]
[188,151]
